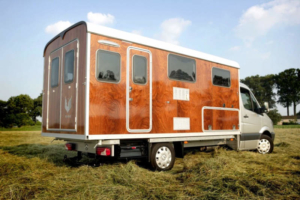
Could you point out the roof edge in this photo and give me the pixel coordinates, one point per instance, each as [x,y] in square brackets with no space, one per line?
[62,34]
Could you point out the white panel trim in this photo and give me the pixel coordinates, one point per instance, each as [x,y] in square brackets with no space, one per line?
[64,136]
[158,135]
[217,108]
[181,123]
[127,89]
[87,85]
[102,30]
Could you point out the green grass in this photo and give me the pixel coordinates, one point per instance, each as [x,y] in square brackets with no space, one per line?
[23,128]
[287,126]
[31,167]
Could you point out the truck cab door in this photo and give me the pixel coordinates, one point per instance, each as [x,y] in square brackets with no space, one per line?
[250,120]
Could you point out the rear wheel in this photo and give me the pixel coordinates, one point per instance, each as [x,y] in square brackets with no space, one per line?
[265,145]
[162,156]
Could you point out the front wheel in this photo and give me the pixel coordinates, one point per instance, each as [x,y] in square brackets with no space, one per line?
[265,145]
[162,156]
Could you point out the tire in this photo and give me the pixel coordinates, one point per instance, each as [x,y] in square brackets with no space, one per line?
[265,145]
[162,156]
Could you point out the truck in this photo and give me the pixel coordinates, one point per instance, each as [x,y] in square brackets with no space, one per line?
[110,93]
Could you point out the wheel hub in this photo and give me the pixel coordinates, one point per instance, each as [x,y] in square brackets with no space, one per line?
[263,146]
[163,157]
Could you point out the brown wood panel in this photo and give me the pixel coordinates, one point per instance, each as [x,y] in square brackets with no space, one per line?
[54,94]
[80,33]
[221,119]
[68,97]
[139,107]
[108,101]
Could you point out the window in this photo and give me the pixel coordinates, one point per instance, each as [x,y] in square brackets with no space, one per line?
[139,69]
[108,66]
[69,66]
[181,68]
[54,72]
[246,99]
[221,77]
[249,101]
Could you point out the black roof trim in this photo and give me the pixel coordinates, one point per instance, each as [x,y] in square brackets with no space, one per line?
[62,34]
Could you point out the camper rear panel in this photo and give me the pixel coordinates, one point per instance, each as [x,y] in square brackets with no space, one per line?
[64,82]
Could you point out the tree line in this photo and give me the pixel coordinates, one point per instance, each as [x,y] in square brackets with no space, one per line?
[20,110]
[287,85]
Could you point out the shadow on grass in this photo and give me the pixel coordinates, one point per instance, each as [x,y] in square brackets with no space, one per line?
[55,154]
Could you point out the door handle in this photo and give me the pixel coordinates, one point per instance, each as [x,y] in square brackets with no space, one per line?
[130,89]
[130,99]
[246,116]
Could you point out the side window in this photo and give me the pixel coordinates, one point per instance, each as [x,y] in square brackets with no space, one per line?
[246,98]
[54,72]
[221,77]
[108,66]
[69,67]
[139,69]
[181,68]
[255,104]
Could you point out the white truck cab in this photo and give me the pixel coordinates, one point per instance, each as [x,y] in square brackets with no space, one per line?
[257,130]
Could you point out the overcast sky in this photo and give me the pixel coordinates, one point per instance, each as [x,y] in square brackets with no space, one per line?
[262,36]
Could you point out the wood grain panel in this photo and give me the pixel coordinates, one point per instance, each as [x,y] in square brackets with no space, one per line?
[108,101]
[80,33]
[221,119]
[54,94]
[69,91]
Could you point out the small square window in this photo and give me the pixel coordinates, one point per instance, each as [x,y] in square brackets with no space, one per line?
[108,66]
[139,69]
[54,72]
[181,68]
[69,66]
[221,77]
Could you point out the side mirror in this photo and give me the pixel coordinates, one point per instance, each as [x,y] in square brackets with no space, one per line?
[266,104]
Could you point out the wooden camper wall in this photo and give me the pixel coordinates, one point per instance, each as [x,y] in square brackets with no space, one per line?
[107,107]
[79,32]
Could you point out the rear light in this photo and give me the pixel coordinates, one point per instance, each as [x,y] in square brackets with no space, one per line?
[103,151]
[70,146]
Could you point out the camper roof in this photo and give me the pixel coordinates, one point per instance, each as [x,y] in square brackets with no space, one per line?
[130,37]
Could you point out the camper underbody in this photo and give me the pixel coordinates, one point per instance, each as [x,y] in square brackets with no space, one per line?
[114,94]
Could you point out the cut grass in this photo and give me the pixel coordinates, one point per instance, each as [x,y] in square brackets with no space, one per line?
[23,128]
[31,168]
[287,126]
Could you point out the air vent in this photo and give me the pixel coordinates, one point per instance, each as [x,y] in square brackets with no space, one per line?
[109,43]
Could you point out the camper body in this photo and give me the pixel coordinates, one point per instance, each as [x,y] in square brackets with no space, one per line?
[112,93]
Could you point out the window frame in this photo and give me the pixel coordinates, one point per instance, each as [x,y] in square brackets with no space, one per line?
[103,81]
[212,78]
[177,79]
[252,97]
[58,72]
[133,70]
[73,66]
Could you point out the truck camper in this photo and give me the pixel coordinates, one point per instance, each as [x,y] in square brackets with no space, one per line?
[116,94]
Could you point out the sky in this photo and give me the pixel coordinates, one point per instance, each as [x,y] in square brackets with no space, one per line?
[262,36]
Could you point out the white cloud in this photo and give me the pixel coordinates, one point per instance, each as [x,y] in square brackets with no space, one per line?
[101,19]
[266,56]
[57,27]
[258,20]
[172,28]
[137,32]
[235,48]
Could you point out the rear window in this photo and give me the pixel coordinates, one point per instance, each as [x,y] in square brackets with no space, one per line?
[181,68]
[108,66]
[221,77]
[69,66]
[54,72]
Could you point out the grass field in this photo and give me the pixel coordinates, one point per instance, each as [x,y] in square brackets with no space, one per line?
[31,167]
[23,128]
